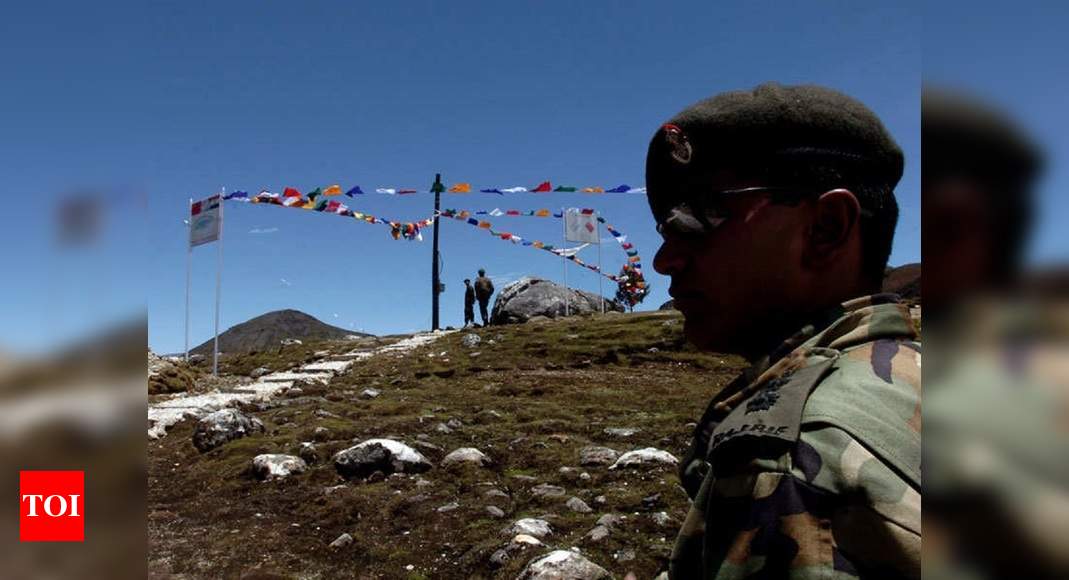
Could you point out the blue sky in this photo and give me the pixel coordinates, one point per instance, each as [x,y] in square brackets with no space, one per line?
[181,99]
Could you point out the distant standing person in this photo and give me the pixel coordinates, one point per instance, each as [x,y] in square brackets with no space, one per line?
[484,288]
[469,302]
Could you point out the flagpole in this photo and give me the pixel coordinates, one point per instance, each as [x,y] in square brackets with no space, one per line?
[189,266]
[218,288]
[563,258]
[601,295]
[435,282]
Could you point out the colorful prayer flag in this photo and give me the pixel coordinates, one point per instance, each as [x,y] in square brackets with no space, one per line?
[332,190]
[355,191]
[543,187]
[494,190]
[564,189]
[460,188]
[593,190]
[620,189]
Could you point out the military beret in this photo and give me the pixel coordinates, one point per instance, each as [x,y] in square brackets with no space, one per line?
[769,133]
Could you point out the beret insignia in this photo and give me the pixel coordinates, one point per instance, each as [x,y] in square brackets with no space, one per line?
[677,143]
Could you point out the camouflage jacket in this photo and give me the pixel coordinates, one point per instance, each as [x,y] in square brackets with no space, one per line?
[808,466]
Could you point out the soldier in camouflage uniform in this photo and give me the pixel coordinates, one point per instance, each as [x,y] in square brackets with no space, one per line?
[777,210]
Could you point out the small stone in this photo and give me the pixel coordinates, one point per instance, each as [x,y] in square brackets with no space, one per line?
[447,507]
[341,541]
[454,424]
[529,526]
[584,476]
[622,431]
[423,483]
[376,476]
[466,456]
[443,428]
[495,493]
[524,540]
[601,500]
[594,455]
[610,520]
[223,426]
[644,458]
[652,501]
[598,533]
[259,372]
[661,519]
[369,393]
[471,340]
[271,466]
[625,555]
[308,452]
[499,559]
[546,490]
[495,512]
[323,413]
[577,505]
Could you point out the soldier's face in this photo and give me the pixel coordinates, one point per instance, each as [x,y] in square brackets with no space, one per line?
[734,282]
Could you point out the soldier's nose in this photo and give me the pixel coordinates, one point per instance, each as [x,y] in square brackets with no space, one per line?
[670,259]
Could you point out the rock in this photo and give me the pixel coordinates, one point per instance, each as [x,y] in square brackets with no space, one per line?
[488,416]
[670,305]
[445,373]
[495,493]
[645,458]
[577,505]
[610,520]
[652,501]
[625,555]
[259,372]
[341,541]
[529,297]
[584,476]
[448,507]
[290,341]
[598,534]
[471,340]
[321,433]
[661,519]
[523,541]
[384,455]
[495,512]
[454,424]
[529,526]
[499,559]
[443,428]
[594,455]
[308,452]
[466,456]
[622,431]
[269,466]
[601,500]
[369,393]
[546,490]
[325,414]
[220,427]
[561,564]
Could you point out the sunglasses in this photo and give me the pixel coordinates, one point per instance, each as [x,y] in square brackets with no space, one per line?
[699,214]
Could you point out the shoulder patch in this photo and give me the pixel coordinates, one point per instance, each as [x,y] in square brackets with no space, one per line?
[773,412]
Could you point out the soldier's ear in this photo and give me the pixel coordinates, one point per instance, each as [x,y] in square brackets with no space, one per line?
[833,228]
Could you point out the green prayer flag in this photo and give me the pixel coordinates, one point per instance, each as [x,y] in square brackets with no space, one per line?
[565,189]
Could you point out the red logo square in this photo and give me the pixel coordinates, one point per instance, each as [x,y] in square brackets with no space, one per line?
[52,506]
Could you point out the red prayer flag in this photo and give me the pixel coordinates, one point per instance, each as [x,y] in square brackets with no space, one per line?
[290,192]
[543,187]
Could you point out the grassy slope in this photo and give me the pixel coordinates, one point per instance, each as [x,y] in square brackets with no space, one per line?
[556,385]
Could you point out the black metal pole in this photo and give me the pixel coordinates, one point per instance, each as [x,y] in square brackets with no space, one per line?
[435,285]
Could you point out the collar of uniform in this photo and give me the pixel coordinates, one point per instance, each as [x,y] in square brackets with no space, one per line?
[856,321]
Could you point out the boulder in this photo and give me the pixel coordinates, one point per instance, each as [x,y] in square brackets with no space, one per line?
[546,490]
[670,305]
[530,297]
[577,505]
[308,452]
[560,564]
[471,340]
[369,393]
[466,456]
[383,455]
[220,427]
[645,458]
[270,466]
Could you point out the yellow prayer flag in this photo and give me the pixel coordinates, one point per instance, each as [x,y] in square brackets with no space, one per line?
[484,225]
[542,213]
[460,188]
[332,190]
[593,190]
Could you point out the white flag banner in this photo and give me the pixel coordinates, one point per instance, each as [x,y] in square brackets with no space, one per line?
[205,221]
[581,227]
[567,252]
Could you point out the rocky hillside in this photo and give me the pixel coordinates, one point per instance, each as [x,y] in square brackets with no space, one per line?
[905,281]
[267,331]
[481,454]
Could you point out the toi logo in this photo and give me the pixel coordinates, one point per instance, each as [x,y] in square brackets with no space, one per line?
[51,506]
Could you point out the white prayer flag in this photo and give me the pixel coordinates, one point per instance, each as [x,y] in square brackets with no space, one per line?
[205,221]
[581,227]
